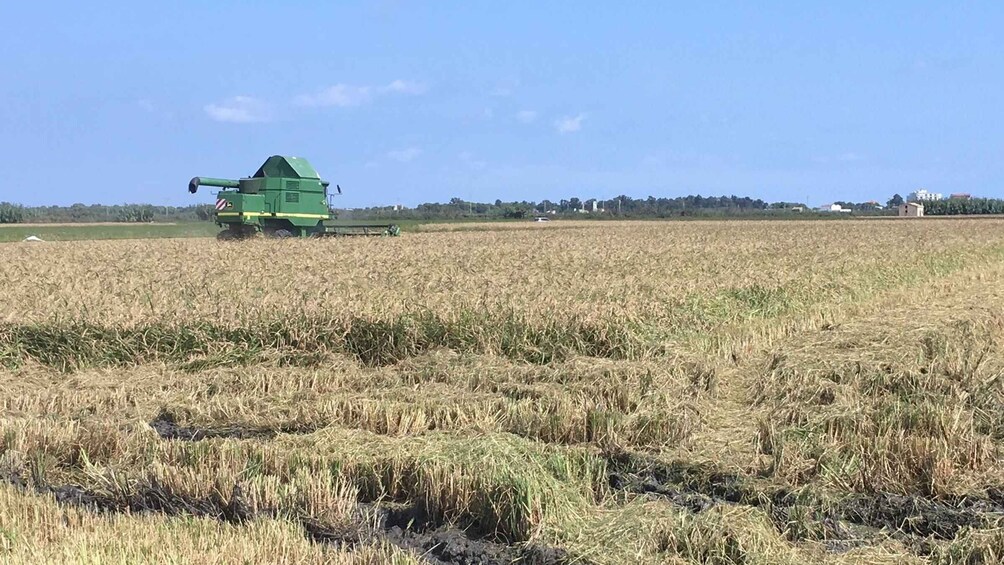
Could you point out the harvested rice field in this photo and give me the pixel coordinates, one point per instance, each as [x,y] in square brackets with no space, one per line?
[720,392]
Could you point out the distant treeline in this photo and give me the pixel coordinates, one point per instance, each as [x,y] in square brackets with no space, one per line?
[15,213]
[967,206]
[456,208]
[621,206]
[652,207]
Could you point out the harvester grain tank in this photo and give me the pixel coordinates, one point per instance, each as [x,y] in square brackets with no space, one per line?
[284,198]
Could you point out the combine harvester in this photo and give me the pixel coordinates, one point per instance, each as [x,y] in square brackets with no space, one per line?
[285,198]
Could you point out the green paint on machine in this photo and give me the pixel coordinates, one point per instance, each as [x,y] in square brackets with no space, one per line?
[285,197]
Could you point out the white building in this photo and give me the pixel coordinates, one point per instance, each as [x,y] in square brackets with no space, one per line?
[831,208]
[925,196]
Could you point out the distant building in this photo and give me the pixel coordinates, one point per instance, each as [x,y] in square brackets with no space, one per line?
[833,208]
[924,196]
[961,196]
[911,210]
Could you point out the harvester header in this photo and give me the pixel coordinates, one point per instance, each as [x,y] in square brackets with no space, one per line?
[285,197]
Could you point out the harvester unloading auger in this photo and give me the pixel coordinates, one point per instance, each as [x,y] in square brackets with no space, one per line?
[284,198]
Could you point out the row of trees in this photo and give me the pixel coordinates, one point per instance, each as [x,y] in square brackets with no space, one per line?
[11,213]
[959,206]
[652,207]
[623,206]
[135,213]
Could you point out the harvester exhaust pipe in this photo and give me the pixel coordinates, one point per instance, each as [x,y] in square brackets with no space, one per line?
[196,182]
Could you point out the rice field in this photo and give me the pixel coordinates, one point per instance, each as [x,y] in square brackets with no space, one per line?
[715,392]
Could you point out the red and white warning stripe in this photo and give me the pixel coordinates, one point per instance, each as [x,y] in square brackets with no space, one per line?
[221,204]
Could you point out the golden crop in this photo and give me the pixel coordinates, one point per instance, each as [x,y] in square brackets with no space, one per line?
[640,271]
[653,392]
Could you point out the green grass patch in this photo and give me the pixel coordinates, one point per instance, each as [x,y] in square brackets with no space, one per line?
[69,346]
[18,232]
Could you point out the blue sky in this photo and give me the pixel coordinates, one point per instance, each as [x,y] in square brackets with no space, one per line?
[406,102]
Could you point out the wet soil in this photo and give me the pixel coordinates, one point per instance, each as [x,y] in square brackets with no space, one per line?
[167,429]
[941,519]
[842,523]
[166,425]
[404,526]
[410,528]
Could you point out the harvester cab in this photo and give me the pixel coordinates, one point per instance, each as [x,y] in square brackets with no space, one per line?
[284,198]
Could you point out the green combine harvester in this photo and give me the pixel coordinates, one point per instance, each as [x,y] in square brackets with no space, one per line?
[285,198]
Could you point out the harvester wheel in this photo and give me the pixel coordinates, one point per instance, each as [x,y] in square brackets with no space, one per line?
[226,235]
[282,234]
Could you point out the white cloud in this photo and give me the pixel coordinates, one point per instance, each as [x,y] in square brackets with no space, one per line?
[505,88]
[340,95]
[404,155]
[346,95]
[526,116]
[849,157]
[239,110]
[568,124]
[405,87]
[475,164]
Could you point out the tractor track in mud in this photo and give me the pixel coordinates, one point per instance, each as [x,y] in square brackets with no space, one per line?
[407,527]
[167,427]
[841,524]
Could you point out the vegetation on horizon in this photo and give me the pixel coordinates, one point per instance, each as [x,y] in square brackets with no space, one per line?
[963,206]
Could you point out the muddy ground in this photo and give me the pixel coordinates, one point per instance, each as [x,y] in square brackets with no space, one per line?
[404,526]
[840,522]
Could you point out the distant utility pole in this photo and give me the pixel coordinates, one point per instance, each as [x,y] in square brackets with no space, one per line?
[618,205]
